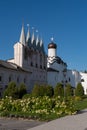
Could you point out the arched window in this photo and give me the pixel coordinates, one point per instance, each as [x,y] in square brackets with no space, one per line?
[82,80]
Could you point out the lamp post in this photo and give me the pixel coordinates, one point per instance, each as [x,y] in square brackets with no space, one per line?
[64,82]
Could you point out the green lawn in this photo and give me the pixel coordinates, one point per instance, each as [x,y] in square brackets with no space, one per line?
[81,104]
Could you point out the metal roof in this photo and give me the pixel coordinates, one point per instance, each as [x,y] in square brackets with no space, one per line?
[12,66]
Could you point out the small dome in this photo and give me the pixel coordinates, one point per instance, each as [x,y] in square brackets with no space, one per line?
[52,45]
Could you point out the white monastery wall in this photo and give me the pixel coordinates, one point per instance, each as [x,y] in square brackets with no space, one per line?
[84,81]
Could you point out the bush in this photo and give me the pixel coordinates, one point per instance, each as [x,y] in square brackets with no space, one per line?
[42,91]
[11,90]
[27,96]
[49,91]
[36,90]
[22,90]
[77,98]
[79,91]
[37,107]
[58,90]
[68,90]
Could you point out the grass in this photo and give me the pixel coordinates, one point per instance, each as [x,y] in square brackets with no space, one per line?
[80,105]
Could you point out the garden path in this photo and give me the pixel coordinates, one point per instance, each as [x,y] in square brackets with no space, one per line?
[74,122]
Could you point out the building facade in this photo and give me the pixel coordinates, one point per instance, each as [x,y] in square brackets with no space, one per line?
[31,65]
[12,72]
[57,70]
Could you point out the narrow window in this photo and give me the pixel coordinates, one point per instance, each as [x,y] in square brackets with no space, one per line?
[17,79]
[0,78]
[9,78]
[24,80]
[69,79]
[36,66]
[31,64]
[40,66]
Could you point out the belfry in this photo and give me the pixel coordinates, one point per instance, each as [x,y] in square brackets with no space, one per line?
[31,65]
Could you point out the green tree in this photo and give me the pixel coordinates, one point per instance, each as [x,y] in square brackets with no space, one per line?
[36,90]
[22,90]
[42,90]
[79,91]
[58,90]
[68,90]
[49,91]
[11,90]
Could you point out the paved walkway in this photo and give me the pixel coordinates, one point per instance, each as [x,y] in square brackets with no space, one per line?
[74,122]
[17,124]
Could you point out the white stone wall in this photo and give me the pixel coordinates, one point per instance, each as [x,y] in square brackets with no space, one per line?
[51,52]
[18,54]
[84,83]
[39,74]
[11,60]
[53,78]
[73,77]
[14,75]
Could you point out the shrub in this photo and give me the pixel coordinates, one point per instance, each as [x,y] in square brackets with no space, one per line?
[79,91]
[49,91]
[37,107]
[76,98]
[42,91]
[68,90]
[27,96]
[58,90]
[36,90]
[11,90]
[22,90]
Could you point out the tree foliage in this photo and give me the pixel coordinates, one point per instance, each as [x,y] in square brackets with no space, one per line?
[68,90]
[11,90]
[22,90]
[36,90]
[43,90]
[15,91]
[49,91]
[58,90]
[79,91]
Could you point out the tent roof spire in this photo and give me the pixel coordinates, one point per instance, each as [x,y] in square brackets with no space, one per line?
[28,34]
[22,36]
[33,38]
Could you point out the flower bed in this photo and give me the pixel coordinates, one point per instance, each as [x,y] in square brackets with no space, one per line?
[43,108]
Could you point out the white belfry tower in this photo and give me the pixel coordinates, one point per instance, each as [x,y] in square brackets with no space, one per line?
[18,49]
[52,49]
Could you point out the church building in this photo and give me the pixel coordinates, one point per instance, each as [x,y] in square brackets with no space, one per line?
[57,71]
[31,65]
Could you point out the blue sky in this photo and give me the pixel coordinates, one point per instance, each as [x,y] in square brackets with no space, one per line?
[65,20]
